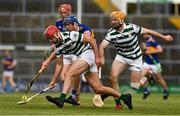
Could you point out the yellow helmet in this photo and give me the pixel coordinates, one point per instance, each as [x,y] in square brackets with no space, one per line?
[119,15]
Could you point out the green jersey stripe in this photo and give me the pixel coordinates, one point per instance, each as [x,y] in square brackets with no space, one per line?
[72,44]
[126,41]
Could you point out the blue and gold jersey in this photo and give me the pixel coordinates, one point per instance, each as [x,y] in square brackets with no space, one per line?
[151,45]
[59,25]
[7,61]
[84,28]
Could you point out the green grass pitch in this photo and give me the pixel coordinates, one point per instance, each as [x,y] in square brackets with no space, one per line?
[153,105]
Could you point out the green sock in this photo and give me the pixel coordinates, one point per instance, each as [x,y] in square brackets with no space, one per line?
[123,96]
[117,101]
[62,97]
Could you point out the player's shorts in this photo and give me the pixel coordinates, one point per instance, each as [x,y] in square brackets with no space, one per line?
[8,73]
[133,64]
[88,56]
[156,68]
[69,59]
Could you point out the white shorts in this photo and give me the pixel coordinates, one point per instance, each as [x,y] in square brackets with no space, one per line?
[156,68]
[8,73]
[89,57]
[133,64]
[69,59]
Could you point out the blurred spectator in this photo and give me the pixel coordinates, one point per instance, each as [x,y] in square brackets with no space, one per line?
[151,62]
[9,64]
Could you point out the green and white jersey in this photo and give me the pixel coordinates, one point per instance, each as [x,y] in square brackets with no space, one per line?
[126,41]
[72,44]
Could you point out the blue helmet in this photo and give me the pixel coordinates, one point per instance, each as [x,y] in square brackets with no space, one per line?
[70,20]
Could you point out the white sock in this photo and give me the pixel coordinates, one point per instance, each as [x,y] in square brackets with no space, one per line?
[143,80]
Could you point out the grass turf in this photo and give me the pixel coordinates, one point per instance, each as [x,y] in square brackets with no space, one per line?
[153,105]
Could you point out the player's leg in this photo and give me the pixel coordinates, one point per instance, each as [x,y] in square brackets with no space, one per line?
[13,84]
[10,75]
[135,82]
[147,78]
[136,72]
[116,69]
[75,93]
[144,83]
[147,75]
[65,68]
[78,86]
[4,79]
[94,82]
[77,67]
[143,80]
[135,79]
[146,92]
[163,84]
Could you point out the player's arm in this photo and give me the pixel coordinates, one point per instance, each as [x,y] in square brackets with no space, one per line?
[46,63]
[102,46]
[87,32]
[58,69]
[14,63]
[4,62]
[92,42]
[157,34]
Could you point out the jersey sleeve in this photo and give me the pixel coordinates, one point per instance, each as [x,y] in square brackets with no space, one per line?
[76,36]
[59,25]
[155,44]
[137,29]
[58,52]
[108,37]
[85,27]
